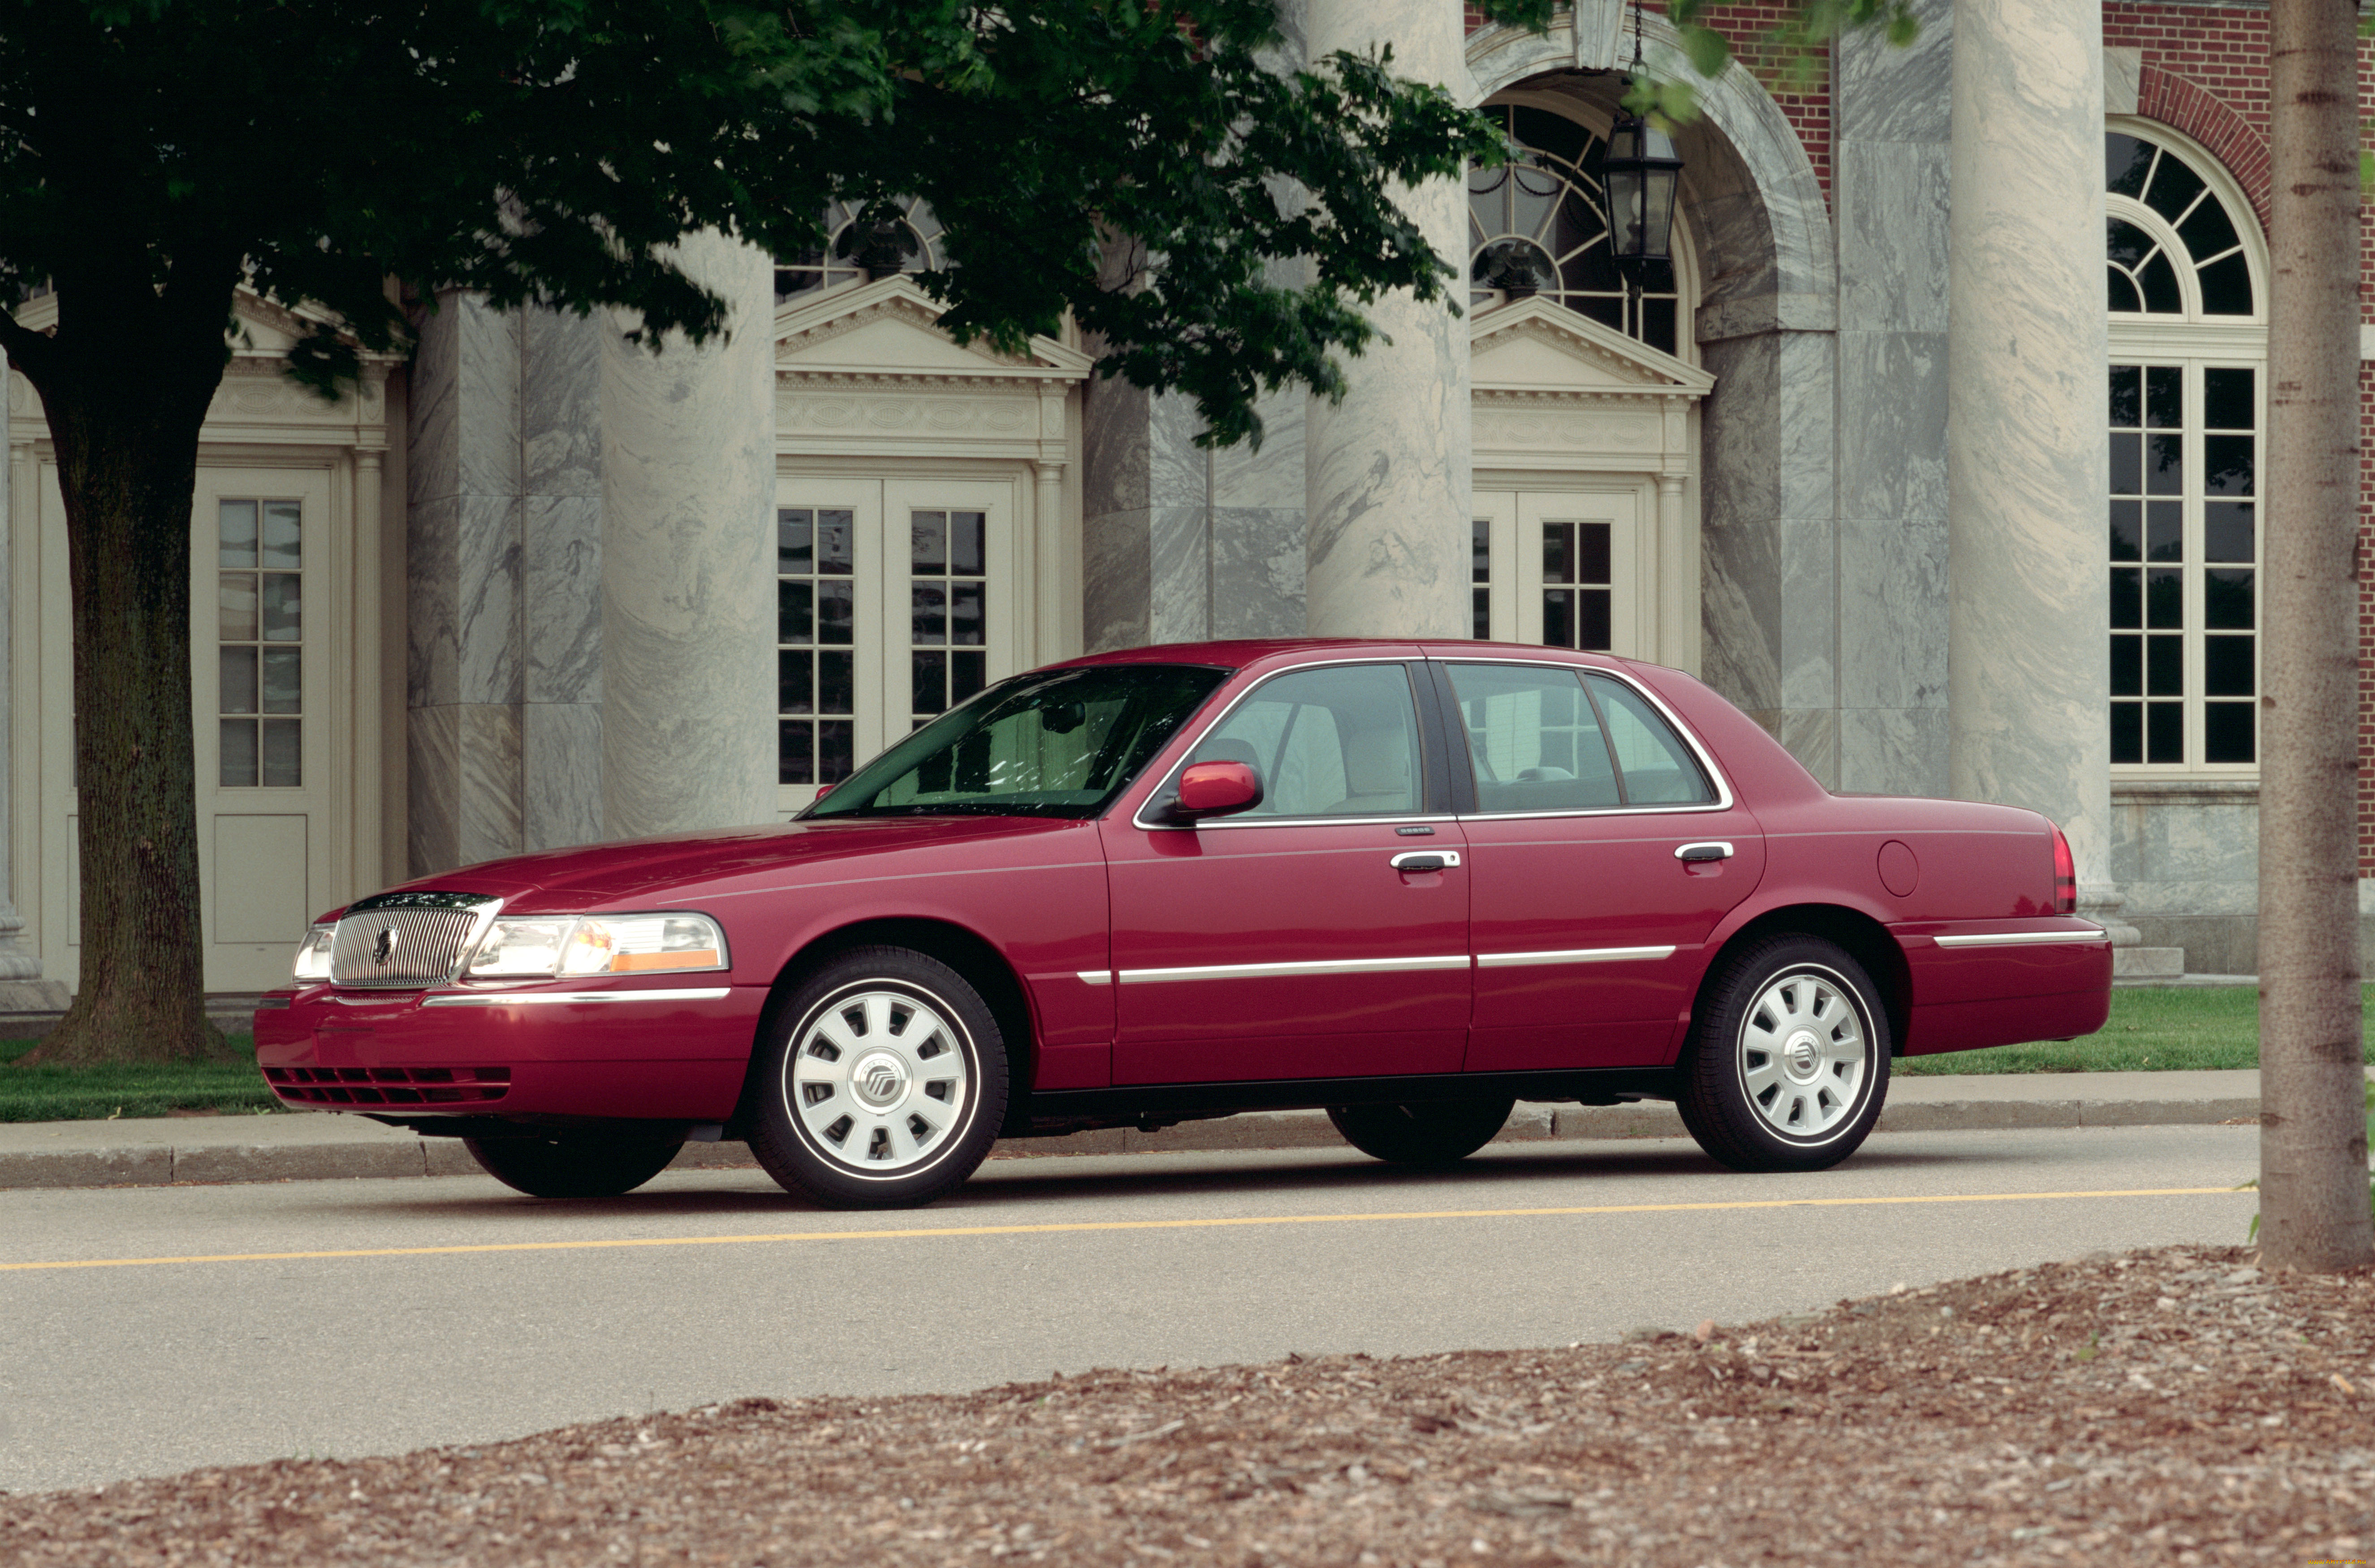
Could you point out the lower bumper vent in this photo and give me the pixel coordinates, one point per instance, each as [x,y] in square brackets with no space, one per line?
[389,1086]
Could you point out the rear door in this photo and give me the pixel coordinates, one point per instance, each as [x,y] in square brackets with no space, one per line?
[1323,934]
[1603,851]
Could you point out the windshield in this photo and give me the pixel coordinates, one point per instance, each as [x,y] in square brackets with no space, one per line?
[1053,743]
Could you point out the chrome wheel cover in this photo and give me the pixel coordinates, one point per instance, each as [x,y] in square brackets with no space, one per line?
[1804,1054]
[880,1079]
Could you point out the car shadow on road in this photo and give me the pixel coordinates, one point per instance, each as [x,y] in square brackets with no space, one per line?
[1012,1188]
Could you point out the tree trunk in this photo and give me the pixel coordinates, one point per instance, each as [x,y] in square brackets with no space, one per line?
[125,387]
[2313,1193]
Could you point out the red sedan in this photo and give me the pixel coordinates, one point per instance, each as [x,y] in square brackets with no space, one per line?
[1410,883]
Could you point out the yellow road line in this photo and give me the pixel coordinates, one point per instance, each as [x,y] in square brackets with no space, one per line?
[1063,1227]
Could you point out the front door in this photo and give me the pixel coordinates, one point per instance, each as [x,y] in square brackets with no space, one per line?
[1299,940]
[1587,924]
[895,600]
[1564,569]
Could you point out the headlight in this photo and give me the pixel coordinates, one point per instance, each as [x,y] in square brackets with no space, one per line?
[313,954]
[540,946]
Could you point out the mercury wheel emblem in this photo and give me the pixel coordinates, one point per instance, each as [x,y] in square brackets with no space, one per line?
[384,945]
[881,1081]
[1804,1054]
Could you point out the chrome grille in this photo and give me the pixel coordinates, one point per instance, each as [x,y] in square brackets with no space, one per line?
[405,940]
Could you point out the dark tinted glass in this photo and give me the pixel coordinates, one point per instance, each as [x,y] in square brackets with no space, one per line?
[2126,162]
[2227,466]
[2164,464]
[928,543]
[794,545]
[2165,397]
[2127,667]
[2227,599]
[2125,243]
[2208,231]
[2127,531]
[2227,667]
[2127,597]
[2165,531]
[2228,403]
[2127,732]
[837,543]
[2226,530]
[2227,287]
[2127,463]
[795,684]
[2164,598]
[2164,732]
[2158,278]
[2173,189]
[795,612]
[2227,733]
[1591,552]
[836,609]
[2122,295]
[2164,666]
[2127,395]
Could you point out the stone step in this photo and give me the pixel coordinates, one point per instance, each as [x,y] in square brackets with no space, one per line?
[2147,963]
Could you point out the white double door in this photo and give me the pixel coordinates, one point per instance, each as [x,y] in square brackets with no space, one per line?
[1567,568]
[271,662]
[896,599]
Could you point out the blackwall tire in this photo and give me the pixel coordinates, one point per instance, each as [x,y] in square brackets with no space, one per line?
[1787,1064]
[882,1085]
[573,1165]
[1441,1132]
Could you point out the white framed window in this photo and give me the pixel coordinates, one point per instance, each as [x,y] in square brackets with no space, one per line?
[907,237]
[2186,403]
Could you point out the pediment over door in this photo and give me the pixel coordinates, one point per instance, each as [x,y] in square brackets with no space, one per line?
[869,371]
[1552,387]
[257,402]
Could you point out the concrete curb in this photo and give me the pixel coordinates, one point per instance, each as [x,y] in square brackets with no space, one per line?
[185,1152]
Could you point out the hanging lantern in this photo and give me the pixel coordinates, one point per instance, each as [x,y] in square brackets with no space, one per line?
[1642,173]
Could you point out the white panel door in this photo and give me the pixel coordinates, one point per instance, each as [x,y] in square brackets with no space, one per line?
[1578,579]
[266,569]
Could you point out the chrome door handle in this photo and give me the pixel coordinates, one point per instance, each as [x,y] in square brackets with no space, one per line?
[1425,859]
[1693,854]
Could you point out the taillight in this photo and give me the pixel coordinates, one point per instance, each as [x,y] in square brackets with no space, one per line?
[2065,876]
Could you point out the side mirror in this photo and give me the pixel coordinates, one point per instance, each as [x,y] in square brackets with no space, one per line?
[1215,789]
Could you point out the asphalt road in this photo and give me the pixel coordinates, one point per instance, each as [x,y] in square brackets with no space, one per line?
[514,1315]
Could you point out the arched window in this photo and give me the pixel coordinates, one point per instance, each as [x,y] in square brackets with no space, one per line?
[910,241]
[1539,226]
[2187,395]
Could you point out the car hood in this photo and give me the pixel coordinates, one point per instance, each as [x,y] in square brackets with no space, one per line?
[682,867]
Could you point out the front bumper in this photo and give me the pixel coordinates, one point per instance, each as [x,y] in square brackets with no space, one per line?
[672,1051]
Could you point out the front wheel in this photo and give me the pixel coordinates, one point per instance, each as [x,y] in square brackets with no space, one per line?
[1789,1059]
[573,1165]
[884,1085]
[1436,1133]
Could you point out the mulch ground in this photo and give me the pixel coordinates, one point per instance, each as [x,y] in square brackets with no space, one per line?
[2171,1407]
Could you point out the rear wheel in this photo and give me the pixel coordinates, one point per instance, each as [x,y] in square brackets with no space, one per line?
[574,1164]
[884,1084]
[1788,1060]
[1436,1133]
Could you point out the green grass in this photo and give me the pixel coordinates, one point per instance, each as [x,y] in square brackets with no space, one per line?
[73,1094]
[2151,1030]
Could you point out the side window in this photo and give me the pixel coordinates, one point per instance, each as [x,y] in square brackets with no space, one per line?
[1533,738]
[1335,742]
[1659,768]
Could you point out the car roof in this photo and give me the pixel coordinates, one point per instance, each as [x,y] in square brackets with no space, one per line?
[1244,652]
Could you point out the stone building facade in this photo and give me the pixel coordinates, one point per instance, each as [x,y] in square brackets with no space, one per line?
[1851,464]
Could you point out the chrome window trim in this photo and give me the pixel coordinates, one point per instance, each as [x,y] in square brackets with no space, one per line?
[2019,938]
[1724,796]
[1573,955]
[1137,818]
[521,998]
[1313,966]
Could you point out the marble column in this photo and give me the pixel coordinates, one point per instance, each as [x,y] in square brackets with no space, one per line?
[687,562]
[2026,447]
[17,966]
[1389,478]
